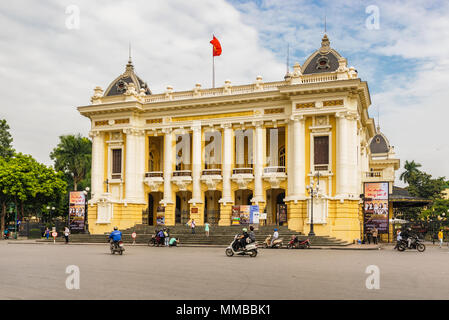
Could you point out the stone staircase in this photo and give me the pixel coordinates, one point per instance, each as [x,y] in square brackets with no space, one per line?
[219,236]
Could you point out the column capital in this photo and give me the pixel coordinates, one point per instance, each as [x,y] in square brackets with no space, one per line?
[257,123]
[94,133]
[226,125]
[167,130]
[299,117]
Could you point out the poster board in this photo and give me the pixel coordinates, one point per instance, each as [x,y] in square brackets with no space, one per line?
[235,218]
[160,216]
[77,207]
[376,206]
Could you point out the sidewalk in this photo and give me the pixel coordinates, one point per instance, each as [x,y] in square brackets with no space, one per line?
[40,242]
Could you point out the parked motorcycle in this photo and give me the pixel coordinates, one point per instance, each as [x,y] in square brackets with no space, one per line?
[250,248]
[416,243]
[296,243]
[117,246]
[155,241]
[276,243]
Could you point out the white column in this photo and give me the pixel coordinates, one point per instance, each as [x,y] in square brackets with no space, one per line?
[290,161]
[140,165]
[299,164]
[342,155]
[196,163]
[227,162]
[97,174]
[130,165]
[352,169]
[258,164]
[167,166]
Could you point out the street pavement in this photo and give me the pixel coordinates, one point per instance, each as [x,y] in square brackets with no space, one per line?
[38,271]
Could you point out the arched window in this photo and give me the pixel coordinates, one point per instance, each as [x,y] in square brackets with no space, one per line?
[282,156]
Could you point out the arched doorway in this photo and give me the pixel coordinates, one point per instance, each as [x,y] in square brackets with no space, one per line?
[182,209]
[276,208]
[212,206]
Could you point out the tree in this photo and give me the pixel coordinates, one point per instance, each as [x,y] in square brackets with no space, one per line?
[73,156]
[410,167]
[422,185]
[26,182]
[6,149]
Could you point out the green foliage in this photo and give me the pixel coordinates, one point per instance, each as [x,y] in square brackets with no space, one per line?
[438,211]
[424,186]
[6,149]
[73,156]
[29,184]
[410,168]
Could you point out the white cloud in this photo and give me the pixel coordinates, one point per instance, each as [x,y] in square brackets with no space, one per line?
[48,69]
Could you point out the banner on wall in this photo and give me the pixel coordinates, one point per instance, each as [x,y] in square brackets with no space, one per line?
[235,218]
[160,216]
[77,207]
[254,215]
[245,212]
[376,206]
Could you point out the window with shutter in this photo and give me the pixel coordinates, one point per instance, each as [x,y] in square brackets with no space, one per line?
[321,150]
[116,164]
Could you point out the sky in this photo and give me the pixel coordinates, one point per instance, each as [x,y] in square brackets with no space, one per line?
[53,53]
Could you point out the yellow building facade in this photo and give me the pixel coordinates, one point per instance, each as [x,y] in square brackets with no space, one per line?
[196,154]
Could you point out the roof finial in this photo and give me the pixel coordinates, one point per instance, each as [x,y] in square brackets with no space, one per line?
[325,22]
[288,61]
[129,66]
[378,119]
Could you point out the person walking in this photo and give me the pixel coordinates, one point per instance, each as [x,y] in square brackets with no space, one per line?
[368,236]
[398,239]
[66,234]
[375,233]
[166,237]
[192,225]
[440,238]
[206,229]
[47,233]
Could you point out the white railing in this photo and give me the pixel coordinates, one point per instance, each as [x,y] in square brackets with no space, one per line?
[234,90]
[373,174]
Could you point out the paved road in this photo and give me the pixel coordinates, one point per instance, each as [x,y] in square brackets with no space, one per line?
[37,271]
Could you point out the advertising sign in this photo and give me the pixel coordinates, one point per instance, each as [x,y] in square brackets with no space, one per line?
[235,218]
[254,215]
[77,207]
[245,214]
[160,216]
[282,210]
[376,206]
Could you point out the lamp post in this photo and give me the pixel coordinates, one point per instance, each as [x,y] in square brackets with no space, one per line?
[313,189]
[86,221]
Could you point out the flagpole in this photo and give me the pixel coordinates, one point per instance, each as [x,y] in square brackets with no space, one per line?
[213,68]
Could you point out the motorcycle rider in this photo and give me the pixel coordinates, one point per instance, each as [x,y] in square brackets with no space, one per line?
[407,235]
[241,241]
[116,236]
[252,236]
[275,236]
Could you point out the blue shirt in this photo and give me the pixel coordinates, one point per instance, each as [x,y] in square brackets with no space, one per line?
[116,235]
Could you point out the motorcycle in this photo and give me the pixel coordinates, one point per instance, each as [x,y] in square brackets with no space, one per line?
[416,243]
[296,243]
[276,243]
[117,246]
[250,248]
[155,241]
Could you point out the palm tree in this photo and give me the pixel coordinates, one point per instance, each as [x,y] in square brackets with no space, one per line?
[73,156]
[410,168]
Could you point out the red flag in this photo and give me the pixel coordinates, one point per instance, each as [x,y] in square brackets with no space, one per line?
[217,47]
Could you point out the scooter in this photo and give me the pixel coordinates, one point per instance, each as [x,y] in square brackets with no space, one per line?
[295,243]
[155,241]
[250,248]
[117,246]
[276,243]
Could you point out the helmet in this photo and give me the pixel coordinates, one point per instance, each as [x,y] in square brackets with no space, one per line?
[245,230]
[275,229]
[115,228]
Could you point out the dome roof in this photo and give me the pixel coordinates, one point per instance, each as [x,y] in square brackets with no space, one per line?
[120,84]
[379,144]
[322,60]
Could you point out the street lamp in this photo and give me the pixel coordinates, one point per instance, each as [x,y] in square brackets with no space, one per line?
[313,189]
[86,221]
